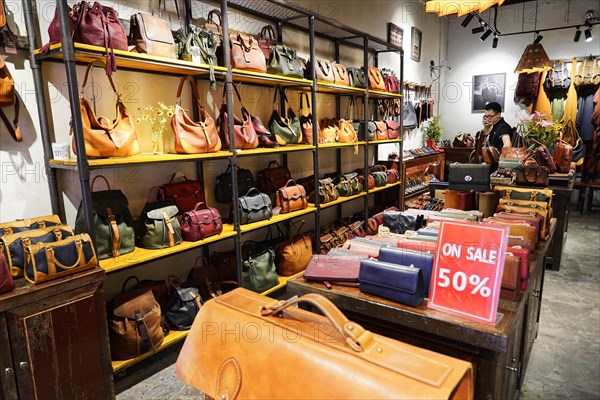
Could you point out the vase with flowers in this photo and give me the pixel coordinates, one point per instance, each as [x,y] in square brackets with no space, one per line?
[156,117]
[538,127]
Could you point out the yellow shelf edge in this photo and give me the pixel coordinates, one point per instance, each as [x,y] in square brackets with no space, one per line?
[325,87]
[283,280]
[385,141]
[341,200]
[388,186]
[139,255]
[144,158]
[275,219]
[171,338]
[340,145]
[280,149]
[241,73]
[379,93]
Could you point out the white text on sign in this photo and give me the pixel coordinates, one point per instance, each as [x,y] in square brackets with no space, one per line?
[486,256]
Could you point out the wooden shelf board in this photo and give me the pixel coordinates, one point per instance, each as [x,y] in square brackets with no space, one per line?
[416,194]
[340,145]
[341,200]
[325,87]
[280,149]
[388,186]
[140,255]
[381,94]
[144,158]
[172,338]
[423,160]
[241,75]
[386,141]
[144,62]
[275,219]
[283,280]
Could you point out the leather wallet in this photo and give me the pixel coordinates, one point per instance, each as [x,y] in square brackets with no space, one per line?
[517,228]
[367,247]
[391,281]
[511,277]
[417,259]
[533,220]
[333,268]
[416,245]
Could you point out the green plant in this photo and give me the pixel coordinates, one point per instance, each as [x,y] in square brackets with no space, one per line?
[433,130]
[540,127]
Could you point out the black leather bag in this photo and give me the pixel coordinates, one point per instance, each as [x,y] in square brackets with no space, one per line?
[400,222]
[224,186]
[183,305]
[469,177]
[357,77]
[400,283]
[254,206]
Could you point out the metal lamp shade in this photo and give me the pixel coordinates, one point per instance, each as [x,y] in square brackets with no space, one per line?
[534,59]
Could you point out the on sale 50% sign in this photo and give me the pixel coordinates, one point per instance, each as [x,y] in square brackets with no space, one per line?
[467,273]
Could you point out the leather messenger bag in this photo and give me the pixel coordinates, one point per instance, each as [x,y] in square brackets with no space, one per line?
[354,362]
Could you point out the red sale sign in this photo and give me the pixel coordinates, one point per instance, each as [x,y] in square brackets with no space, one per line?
[467,273]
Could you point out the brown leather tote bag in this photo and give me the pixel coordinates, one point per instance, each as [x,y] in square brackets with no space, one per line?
[105,137]
[8,97]
[340,74]
[194,137]
[246,53]
[376,81]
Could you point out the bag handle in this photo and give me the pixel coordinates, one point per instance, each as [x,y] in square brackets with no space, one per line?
[192,85]
[342,72]
[150,192]
[87,72]
[302,96]
[267,32]
[211,17]
[94,181]
[273,162]
[252,190]
[52,260]
[178,173]
[327,64]
[357,338]
[137,280]
[235,91]
[174,281]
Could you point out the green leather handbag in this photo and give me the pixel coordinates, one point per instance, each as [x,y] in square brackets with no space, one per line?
[286,131]
[357,77]
[349,185]
[159,227]
[284,61]
[201,48]
[258,268]
[380,178]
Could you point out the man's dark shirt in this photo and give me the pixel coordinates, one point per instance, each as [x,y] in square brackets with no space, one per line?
[499,129]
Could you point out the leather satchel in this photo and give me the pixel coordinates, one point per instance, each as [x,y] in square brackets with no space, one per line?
[327,192]
[152,35]
[245,53]
[258,267]
[563,156]
[112,221]
[545,214]
[47,261]
[349,185]
[392,128]
[13,246]
[159,227]
[417,259]
[224,184]
[194,137]
[254,206]
[201,222]
[184,194]
[533,176]
[293,255]
[397,370]
[291,197]
[106,137]
[517,228]
[469,177]
[543,158]
[400,283]
[340,74]
[381,130]
[356,77]
[20,225]
[306,120]
[380,178]
[266,39]
[272,178]
[7,283]
[183,306]
[135,324]
[284,61]
[244,134]
[213,24]
[376,81]
[393,175]
[8,97]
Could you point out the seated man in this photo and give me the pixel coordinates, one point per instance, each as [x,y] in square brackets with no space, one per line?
[497,132]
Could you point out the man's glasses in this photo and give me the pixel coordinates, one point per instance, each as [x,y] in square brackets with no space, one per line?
[489,116]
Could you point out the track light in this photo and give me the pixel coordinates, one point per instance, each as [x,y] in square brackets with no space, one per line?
[479,29]
[487,34]
[577,35]
[588,34]
[538,37]
[495,42]
[467,20]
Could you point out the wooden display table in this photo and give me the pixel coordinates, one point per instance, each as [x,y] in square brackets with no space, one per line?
[499,353]
[562,187]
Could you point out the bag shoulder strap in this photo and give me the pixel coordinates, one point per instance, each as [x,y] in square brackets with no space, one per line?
[105,180]
[13,129]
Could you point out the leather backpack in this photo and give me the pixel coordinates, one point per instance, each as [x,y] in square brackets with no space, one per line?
[183,306]
[527,88]
[8,97]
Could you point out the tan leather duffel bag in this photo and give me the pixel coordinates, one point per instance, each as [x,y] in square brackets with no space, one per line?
[244,345]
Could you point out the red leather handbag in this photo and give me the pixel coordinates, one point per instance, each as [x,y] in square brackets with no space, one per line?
[392,175]
[200,223]
[392,129]
[245,136]
[184,194]
[392,84]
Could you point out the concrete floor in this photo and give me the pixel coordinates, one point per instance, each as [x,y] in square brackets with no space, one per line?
[564,364]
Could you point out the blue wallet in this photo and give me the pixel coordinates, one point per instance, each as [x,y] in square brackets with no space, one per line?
[423,261]
[391,281]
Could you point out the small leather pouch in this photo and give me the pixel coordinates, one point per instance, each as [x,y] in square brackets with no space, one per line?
[400,283]
[423,261]
[334,268]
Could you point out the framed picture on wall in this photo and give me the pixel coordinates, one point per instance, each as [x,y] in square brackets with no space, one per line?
[395,34]
[486,89]
[416,36]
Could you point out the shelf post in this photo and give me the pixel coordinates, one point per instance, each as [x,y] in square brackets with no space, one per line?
[366,111]
[315,121]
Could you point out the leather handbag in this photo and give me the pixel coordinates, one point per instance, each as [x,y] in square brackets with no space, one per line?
[112,220]
[134,325]
[381,130]
[194,137]
[563,155]
[8,97]
[392,128]
[272,178]
[463,140]
[284,61]
[47,261]
[370,181]
[266,39]
[291,197]
[400,283]
[328,131]
[376,79]
[459,199]
[159,227]
[306,121]
[510,286]
[213,24]
[201,222]
[13,245]
[397,370]
[7,283]
[327,242]
[357,229]
[183,306]
[224,184]
[393,175]
[469,177]
[347,134]
[21,225]
[417,259]
[286,130]
[334,268]
[340,75]
[400,222]
[245,53]
[159,288]
[409,115]
[356,77]
[349,185]
[244,134]
[324,71]
[380,178]
[515,193]
[106,137]
[254,206]
[392,84]
[293,255]
[184,194]
[207,279]
[531,210]
[533,176]
[93,24]
[258,267]
[327,192]
[152,35]
[543,158]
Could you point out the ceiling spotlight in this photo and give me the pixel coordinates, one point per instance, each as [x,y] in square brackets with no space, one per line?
[467,20]
[495,42]
[479,29]
[577,35]
[485,35]
[588,34]
[538,38]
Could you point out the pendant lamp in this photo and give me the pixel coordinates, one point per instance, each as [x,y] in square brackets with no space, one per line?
[534,59]
[459,7]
